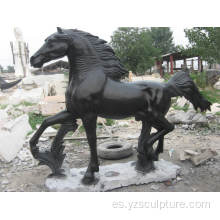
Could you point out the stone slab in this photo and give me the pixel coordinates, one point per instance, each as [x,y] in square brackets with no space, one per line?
[181,102]
[189,117]
[3,117]
[21,95]
[200,158]
[112,176]
[12,136]
[51,105]
[147,78]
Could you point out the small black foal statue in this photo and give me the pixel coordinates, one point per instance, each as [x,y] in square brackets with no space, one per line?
[94,90]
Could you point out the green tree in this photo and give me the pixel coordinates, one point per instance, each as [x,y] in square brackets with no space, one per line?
[163,39]
[204,41]
[10,69]
[1,69]
[134,47]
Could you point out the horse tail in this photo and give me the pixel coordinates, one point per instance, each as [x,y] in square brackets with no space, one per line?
[183,85]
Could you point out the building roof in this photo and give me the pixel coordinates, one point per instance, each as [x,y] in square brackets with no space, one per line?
[177,56]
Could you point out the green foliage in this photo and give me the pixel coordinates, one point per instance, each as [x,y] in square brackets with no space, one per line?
[109,122]
[29,133]
[134,47]
[204,41]
[138,47]
[184,108]
[66,73]
[3,106]
[166,77]
[35,119]
[57,126]
[1,69]
[211,95]
[163,39]
[199,79]
[25,103]
[217,113]
[81,129]
[10,69]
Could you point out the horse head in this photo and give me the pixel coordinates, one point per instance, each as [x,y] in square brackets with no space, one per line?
[55,46]
[81,45]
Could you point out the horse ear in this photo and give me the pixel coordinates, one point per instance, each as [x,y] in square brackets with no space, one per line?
[59,30]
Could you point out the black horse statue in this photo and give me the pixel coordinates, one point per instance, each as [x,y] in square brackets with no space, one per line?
[94,90]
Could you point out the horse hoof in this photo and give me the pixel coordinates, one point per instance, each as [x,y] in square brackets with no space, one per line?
[144,168]
[60,174]
[88,179]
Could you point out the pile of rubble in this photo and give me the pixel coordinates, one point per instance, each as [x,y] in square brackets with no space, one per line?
[42,94]
[35,88]
[177,115]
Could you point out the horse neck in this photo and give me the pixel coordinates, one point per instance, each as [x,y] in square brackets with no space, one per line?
[81,65]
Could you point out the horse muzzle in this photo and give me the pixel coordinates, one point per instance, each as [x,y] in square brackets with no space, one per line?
[36,61]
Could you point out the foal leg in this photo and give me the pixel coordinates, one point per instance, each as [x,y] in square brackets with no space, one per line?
[89,123]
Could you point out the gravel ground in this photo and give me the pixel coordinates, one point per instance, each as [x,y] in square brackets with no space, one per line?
[23,173]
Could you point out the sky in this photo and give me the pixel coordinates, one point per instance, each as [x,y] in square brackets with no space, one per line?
[39,19]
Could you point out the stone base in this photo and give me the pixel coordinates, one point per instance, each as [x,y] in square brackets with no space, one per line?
[113,176]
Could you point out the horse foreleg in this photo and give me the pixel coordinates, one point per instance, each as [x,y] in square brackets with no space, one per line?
[57,148]
[89,123]
[49,158]
[59,118]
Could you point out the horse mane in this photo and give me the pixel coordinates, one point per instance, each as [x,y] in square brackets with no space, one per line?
[111,64]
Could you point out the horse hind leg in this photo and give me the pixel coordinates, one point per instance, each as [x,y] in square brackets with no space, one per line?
[145,152]
[166,127]
[159,148]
